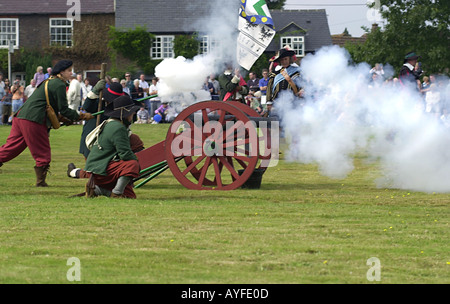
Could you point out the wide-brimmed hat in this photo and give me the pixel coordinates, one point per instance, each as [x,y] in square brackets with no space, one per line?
[61,66]
[121,107]
[284,52]
[411,56]
[115,90]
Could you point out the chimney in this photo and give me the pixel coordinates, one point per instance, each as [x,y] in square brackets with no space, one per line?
[374,27]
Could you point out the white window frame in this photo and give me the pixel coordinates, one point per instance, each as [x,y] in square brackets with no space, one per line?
[209,45]
[61,42]
[162,47]
[21,76]
[6,34]
[204,44]
[296,43]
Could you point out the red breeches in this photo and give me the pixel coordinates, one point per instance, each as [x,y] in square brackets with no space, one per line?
[25,133]
[115,170]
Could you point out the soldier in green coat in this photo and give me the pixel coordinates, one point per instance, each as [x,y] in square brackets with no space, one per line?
[232,87]
[111,161]
[31,126]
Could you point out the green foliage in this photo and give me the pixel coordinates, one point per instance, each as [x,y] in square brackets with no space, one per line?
[275,4]
[4,62]
[24,60]
[186,46]
[149,67]
[28,60]
[132,44]
[416,25]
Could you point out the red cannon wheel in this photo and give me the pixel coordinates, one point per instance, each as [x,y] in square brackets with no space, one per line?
[218,143]
[264,138]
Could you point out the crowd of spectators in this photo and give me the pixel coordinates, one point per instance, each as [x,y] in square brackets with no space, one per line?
[433,88]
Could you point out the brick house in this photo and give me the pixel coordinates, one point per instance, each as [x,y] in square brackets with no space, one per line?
[304,30]
[344,38]
[44,25]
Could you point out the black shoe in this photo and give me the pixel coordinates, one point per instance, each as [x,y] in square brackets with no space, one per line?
[70,168]
[1,164]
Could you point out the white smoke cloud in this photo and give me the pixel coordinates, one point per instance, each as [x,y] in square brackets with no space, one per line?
[179,75]
[344,113]
[184,77]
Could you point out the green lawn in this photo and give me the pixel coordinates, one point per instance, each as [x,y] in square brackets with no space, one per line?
[300,227]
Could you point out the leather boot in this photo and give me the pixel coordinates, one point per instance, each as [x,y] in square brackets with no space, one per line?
[70,168]
[90,188]
[113,195]
[41,175]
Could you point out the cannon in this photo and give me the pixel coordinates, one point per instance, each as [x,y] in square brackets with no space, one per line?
[212,145]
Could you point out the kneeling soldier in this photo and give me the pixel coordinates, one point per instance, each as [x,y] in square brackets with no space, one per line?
[112,162]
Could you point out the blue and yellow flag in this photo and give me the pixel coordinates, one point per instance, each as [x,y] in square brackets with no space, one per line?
[256,12]
[256,31]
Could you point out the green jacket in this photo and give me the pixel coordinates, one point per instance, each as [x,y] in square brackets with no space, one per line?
[115,145]
[90,106]
[34,108]
[229,83]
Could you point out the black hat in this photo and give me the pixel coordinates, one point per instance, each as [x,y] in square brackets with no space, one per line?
[115,90]
[284,52]
[61,66]
[411,56]
[121,107]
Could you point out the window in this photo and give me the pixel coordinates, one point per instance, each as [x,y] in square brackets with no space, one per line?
[203,44]
[61,31]
[20,76]
[9,30]
[162,47]
[209,45]
[296,43]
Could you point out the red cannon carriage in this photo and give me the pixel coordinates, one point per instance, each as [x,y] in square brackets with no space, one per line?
[213,145]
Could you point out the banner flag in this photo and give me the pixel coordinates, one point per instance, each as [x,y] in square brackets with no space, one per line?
[256,31]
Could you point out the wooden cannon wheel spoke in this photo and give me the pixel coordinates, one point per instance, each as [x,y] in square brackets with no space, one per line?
[213,168]
[264,136]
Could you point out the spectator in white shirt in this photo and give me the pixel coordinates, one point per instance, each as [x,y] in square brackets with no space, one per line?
[29,90]
[144,85]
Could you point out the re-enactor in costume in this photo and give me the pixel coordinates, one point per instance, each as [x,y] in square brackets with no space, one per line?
[31,126]
[408,76]
[284,80]
[287,78]
[111,161]
[114,91]
[90,105]
[232,87]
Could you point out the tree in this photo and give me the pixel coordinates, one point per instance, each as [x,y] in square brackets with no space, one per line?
[29,60]
[186,46]
[275,4]
[421,26]
[132,44]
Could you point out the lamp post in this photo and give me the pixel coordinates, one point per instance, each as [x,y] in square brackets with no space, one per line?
[10,51]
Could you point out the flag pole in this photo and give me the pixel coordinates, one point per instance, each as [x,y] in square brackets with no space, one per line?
[100,95]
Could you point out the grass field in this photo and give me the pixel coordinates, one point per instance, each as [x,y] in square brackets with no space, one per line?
[300,227]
